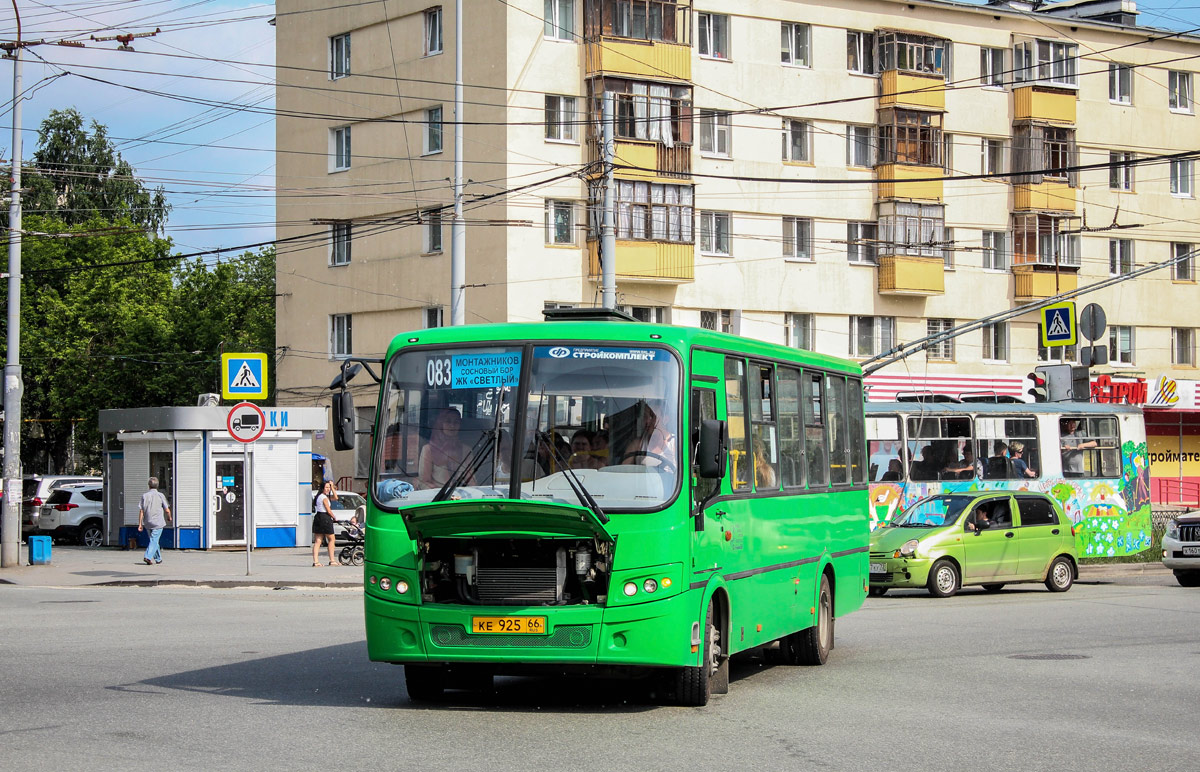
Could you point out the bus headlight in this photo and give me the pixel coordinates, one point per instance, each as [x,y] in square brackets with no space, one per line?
[630,588]
[401,586]
[907,549]
[385,584]
[1172,530]
[649,585]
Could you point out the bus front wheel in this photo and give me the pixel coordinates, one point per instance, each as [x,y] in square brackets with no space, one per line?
[694,685]
[424,683]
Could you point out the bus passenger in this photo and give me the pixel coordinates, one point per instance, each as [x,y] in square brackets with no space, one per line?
[967,468]
[1072,446]
[581,451]
[764,470]
[894,471]
[654,442]
[600,447]
[998,467]
[444,451]
[1020,466]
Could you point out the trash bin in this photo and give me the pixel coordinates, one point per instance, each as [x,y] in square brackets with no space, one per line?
[39,550]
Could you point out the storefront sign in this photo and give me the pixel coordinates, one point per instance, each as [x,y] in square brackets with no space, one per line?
[1129,392]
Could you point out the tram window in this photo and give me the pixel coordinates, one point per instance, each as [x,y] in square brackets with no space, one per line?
[835,389]
[886,461]
[1090,446]
[813,409]
[791,444]
[735,413]
[1008,447]
[854,410]
[935,444]
[764,449]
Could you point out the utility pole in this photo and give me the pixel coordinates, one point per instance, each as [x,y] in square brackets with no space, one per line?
[10,516]
[608,234]
[458,229]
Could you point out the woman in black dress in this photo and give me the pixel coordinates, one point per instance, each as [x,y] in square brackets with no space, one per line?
[323,524]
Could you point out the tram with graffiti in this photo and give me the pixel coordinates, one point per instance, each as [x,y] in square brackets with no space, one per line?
[1091,458]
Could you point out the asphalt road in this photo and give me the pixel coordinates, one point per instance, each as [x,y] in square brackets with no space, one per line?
[1105,677]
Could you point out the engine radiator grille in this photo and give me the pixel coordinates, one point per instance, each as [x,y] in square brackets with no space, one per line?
[516,586]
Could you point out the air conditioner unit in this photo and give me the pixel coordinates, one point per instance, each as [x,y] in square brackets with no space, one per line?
[208,400]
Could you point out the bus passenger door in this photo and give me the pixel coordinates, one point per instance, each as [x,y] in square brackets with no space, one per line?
[708,542]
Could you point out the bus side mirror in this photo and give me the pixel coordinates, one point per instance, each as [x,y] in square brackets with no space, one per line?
[712,451]
[343,421]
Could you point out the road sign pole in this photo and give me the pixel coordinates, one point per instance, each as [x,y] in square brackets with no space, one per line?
[247,501]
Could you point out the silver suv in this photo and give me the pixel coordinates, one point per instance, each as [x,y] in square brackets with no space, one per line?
[74,512]
[1181,549]
[36,490]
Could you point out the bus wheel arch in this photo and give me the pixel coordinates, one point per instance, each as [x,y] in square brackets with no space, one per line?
[723,621]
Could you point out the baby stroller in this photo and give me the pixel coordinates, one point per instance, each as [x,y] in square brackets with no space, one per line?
[352,553]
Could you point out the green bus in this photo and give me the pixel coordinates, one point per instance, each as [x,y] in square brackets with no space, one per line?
[598,493]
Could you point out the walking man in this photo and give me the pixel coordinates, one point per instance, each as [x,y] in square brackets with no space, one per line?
[154,513]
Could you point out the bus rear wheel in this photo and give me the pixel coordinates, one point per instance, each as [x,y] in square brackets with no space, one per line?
[424,683]
[812,645]
[694,685]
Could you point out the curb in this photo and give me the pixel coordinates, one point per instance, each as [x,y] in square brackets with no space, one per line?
[227,584]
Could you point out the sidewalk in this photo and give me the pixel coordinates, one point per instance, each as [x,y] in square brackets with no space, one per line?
[74,566]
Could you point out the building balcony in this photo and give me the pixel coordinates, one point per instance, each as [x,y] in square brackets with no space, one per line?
[910,89]
[638,59]
[1033,284]
[891,182]
[1044,103]
[647,261]
[666,163]
[910,275]
[1048,195]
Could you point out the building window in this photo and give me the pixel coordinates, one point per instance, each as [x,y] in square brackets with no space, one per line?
[1120,257]
[651,211]
[340,343]
[860,52]
[995,342]
[1120,345]
[1183,346]
[1182,262]
[797,238]
[714,35]
[1049,61]
[1120,171]
[991,67]
[560,118]
[992,156]
[639,19]
[910,52]
[796,141]
[648,314]
[714,132]
[860,146]
[1179,91]
[948,153]
[339,56]
[912,229]
[1056,354]
[339,140]
[948,249]
[871,335]
[942,350]
[433,231]
[339,243]
[560,19]
[801,331]
[433,130]
[995,250]
[1181,178]
[721,321]
[560,222]
[861,242]
[652,111]
[1042,239]
[794,44]
[910,137]
[433,31]
[1120,83]
[433,317]
[714,233]
[1044,152]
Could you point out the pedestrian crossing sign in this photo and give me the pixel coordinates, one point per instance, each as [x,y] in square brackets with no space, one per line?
[244,376]
[1058,325]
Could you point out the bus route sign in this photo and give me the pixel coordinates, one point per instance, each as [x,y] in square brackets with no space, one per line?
[1058,325]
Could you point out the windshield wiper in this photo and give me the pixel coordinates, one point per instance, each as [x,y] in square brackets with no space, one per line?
[581,491]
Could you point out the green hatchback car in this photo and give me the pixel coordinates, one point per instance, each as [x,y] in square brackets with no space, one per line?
[991,539]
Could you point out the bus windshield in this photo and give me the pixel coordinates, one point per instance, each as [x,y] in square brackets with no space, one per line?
[933,511]
[607,415]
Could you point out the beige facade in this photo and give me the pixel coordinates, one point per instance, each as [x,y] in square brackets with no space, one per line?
[770,243]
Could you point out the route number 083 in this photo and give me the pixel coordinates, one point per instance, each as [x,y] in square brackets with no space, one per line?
[437,372]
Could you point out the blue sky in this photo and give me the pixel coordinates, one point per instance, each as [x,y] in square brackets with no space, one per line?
[216,164]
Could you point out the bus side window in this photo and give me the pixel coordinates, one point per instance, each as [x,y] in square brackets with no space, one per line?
[764,451]
[704,405]
[814,431]
[839,470]
[858,437]
[791,436]
[735,415]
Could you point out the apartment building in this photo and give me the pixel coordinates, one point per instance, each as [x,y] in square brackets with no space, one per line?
[842,176]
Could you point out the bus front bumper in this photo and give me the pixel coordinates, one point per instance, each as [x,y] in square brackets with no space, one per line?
[658,633]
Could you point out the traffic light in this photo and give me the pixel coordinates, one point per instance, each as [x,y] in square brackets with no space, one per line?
[1038,392]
